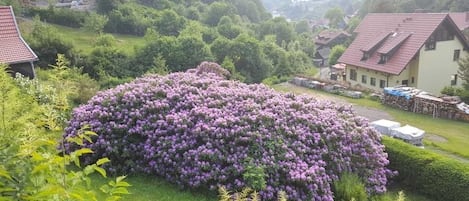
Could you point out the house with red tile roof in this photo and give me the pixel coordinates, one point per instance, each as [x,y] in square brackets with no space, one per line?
[324,41]
[414,49]
[13,49]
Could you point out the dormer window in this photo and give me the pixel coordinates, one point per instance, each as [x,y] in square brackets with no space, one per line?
[384,58]
[366,55]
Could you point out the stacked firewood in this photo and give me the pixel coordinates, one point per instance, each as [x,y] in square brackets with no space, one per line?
[399,102]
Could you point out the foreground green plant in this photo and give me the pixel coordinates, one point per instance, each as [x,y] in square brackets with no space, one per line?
[349,187]
[31,167]
[244,195]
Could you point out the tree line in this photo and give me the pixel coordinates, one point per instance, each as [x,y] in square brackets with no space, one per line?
[179,35]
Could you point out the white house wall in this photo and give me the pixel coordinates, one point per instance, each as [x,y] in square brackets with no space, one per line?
[436,67]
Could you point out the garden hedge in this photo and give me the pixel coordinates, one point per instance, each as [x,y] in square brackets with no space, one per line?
[425,172]
[198,130]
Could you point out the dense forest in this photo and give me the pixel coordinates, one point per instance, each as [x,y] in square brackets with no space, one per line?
[316,9]
[406,6]
[310,10]
[239,34]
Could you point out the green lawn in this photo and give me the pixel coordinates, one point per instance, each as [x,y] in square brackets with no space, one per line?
[151,188]
[455,134]
[83,40]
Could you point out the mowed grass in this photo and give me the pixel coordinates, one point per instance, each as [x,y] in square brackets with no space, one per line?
[83,40]
[454,134]
[152,188]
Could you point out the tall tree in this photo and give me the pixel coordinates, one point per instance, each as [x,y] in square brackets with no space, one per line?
[170,23]
[335,16]
[250,60]
[336,52]
[105,6]
[216,11]
[95,23]
[464,71]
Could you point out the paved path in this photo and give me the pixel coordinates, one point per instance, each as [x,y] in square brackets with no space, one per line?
[370,113]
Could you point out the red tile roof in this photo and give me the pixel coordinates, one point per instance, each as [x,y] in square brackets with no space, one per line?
[326,36]
[419,27]
[393,42]
[375,41]
[461,19]
[13,49]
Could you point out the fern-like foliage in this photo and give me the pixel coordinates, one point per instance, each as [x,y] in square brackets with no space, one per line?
[246,194]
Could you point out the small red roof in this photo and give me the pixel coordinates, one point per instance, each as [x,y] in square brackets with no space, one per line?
[326,36]
[13,49]
[411,30]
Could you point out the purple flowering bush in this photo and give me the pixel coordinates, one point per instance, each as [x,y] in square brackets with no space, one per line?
[201,131]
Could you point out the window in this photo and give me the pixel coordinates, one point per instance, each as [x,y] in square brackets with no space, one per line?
[382,83]
[384,59]
[373,81]
[456,55]
[431,43]
[353,74]
[412,80]
[454,79]
[405,82]
[366,55]
[364,78]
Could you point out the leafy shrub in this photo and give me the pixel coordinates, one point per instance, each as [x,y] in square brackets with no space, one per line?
[130,19]
[105,40]
[428,173]
[457,91]
[272,80]
[62,16]
[244,195]
[47,42]
[31,167]
[201,131]
[349,187]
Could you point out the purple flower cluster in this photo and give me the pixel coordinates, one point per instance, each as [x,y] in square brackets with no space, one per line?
[201,131]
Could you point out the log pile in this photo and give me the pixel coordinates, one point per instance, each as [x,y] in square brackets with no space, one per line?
[398,102]
[410,99]
[400,97]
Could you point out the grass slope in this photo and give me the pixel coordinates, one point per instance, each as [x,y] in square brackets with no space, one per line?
[151,188]
[83,40]
[454,134]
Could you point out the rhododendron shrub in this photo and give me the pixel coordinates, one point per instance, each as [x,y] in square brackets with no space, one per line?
[201,131]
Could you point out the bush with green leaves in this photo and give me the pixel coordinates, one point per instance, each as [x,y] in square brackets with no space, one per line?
[31,166]
[62,16]
[349,187]
[200,131]
[428,173]
[47,42]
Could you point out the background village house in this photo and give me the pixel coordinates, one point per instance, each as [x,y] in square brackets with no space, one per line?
[13,49]
[413,49]
[324,42]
